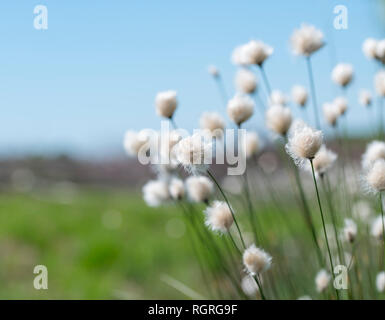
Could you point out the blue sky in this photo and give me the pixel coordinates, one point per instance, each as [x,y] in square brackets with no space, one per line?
[94,73]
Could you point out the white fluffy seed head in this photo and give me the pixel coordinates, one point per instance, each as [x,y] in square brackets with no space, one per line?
[240,108]
[256,260]
[306,40]
[278,119]
[213,70]
[304,142]
[166,103]
[213,122]
[322,280]
[299,95]
[350,230]
[277,97]
[249,286]
[176,189]
[257,52]
[369,48]
[199,188]
[380,281]
[379,83]
[365,98]
[374,151]
[323,160]
[342,74]
[252,144]
[375,177]
[194,153]
[331,113]
[135,142]
[341,104]
[377,228]
[380,50]
[219,217]
[155,192]
[245,81]
[239,56]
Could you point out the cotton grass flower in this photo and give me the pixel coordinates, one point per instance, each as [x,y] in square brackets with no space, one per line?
[304,142]
[239,56]
[350,230]
[135,143]
[322,280]
[341,104]
[331,113]
[299,95]
[369,48]
[375,177]
[219,217]
[277,97]
[256,260]
[278,119]
[245,81]
[166,103]
[252,144]
[194,153]
[377,230]
[213,122]
[257,52]
[374,151]
[306,40]
[249,286]
[240,108]
[380,51]
[213,70]
[380,281]
[323,160]
[199,188]
[176,189]
[342,74]
[365,98]
[379,83]
[155,192]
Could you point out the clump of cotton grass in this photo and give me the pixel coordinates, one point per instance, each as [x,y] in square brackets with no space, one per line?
[375,177]
[307,40]
[256,260]
[341,104]
[365,98]
[331,113]
[213,71]
[194,153]
[252,144]
[380,281]
[249,286]
[155,193]
[176,189]
[213,122]
[277,97]
[369,48]
[246,81]
[303,142]
[219,217]
[135,142]
[374,151]
[240,108]
[342,74]
[278,119]
[166,103]
[379,83]
[322,280]
[299,95]
[350,230]
[377,230]
[323,160]
[199,188]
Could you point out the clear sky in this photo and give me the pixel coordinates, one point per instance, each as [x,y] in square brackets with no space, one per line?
[94,73]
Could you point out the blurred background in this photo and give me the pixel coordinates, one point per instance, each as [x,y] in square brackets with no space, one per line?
[70,199]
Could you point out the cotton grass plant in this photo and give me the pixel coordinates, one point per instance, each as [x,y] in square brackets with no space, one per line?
[246,243]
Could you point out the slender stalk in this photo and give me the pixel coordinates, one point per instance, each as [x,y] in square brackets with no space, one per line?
[313,93]
[173,123]
[257,280]
[323,222]
[265,80]
[228,204]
